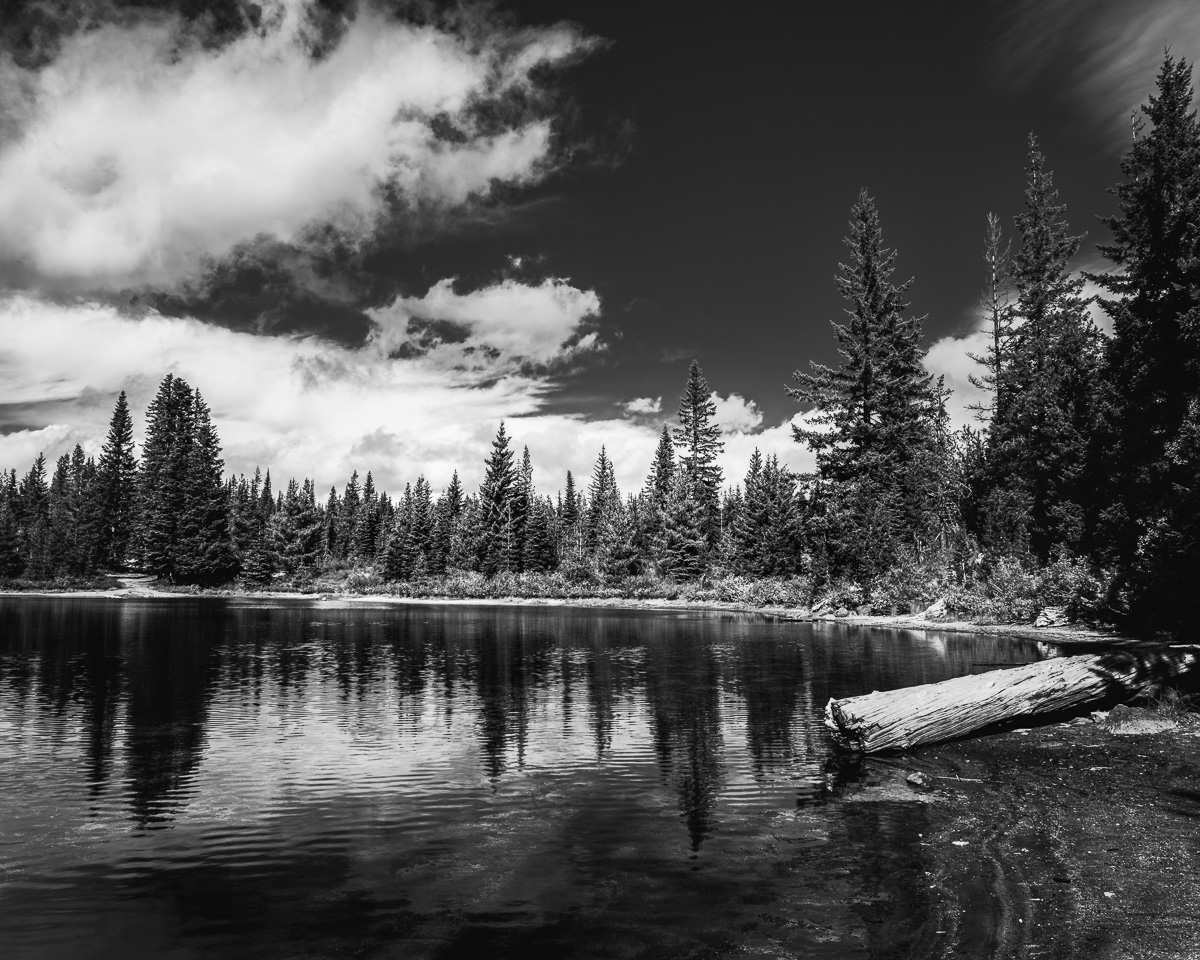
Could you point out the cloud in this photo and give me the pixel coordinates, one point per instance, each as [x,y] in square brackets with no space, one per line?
[771,441]
[136,154]
[303,406]
[736,414]
[1114,47]
[495,329]
[949,358]
[643,406]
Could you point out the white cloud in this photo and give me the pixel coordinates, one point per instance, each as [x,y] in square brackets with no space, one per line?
[493,329]
[302,406]
[949,358]
[1114,47]
[772,441]
[735,414]
[133,155]
[644,406]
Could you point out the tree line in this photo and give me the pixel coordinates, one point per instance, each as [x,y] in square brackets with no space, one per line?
[1087,446]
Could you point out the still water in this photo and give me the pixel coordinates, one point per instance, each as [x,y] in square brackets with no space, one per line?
[229,779]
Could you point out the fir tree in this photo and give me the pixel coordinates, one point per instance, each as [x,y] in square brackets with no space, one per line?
[11,562]
[33,520]
[162,477]
[365,528]
[874,418]
[116,492]
[998,313]
[296,531]
[1146,447]
[205,549]
[60,520]
[495,549]
[1040,437]
[682,548]
[699,440]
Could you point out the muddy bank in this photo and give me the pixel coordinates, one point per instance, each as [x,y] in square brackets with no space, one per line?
[1064,841]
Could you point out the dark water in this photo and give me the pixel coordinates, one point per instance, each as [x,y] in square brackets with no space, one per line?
[184,779]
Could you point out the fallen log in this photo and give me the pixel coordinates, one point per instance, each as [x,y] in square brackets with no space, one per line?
[912,716]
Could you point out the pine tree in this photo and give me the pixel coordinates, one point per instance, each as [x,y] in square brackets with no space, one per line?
[699,440]
[682,547]
[162,477]
[540,555]
[205,549]
[296,531]
[1152,367]
[1040,438]
[366,523]
[998,312]
[495,549]
[570,526]
[351,507]
[874,418]
[11,562]
[116,492]
[523,496]
[662,470]
[33,520]
[403,557]
[60,520]
[751,518]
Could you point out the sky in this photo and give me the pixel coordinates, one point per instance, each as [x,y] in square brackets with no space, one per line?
[369,231]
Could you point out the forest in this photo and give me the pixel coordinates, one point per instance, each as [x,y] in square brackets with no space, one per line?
[1076,488]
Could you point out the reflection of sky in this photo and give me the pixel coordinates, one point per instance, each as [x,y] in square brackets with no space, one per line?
[435,763]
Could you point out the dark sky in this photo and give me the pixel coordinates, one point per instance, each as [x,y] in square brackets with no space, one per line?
[370,229]
[719,232]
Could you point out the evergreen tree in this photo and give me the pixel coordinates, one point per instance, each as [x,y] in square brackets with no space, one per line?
[33,520]
[365,529]
[682,547]
[874,419]
[495,549]
[116,492]
[1040,437]
[540,555]
[662,470]
[351,507]
[332,525]
[445,534]
[523,497]
[11,562]
[998,312]
[750,519]
[1146,447]
[403,556]
[699,440]
[296,531]
[60,520]
[205,549]
[162,477]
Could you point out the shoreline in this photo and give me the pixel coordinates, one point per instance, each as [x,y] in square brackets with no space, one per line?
[140,588]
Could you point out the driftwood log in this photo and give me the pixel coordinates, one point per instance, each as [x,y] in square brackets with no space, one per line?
[912,716]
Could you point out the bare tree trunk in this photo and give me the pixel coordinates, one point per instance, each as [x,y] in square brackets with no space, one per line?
[912,716]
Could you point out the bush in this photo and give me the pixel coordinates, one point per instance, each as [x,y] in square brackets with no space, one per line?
[1015,591]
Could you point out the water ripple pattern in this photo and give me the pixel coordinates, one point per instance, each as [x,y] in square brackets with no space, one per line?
[215,778]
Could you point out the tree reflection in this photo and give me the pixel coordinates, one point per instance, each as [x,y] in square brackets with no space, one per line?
[683,692]
[168,654]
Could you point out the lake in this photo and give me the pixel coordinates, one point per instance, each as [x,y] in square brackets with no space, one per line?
[212,778]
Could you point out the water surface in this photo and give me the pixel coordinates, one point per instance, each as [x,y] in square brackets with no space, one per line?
[223,778]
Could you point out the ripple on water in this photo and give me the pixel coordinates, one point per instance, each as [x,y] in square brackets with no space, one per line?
[254,780]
